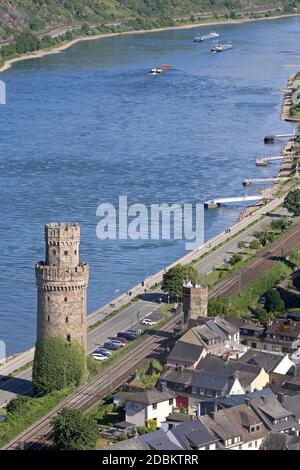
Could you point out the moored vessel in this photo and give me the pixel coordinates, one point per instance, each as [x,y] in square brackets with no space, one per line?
[204,37]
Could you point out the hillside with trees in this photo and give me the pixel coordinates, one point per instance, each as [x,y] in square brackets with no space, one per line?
[29,25]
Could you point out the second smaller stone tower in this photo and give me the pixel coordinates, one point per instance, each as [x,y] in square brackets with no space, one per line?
[195,301]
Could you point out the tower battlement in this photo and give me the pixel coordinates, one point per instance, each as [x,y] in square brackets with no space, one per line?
[62,244]
[79,273]
[62,231]
[62,282]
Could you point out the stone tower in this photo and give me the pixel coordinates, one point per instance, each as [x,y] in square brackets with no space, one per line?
[62,282]
[195,301]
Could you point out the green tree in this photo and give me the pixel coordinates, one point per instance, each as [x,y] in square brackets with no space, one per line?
[72,430]
[262,315]
[26,42]
[218,306]
[274,302]
[173,279]
[292,202]
[266,237]
[280,224]
[57,365]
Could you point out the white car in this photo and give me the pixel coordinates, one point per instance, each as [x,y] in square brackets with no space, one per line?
[99,357]
[147,321]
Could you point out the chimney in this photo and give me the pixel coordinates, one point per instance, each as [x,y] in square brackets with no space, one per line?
[162,386]
[212,414]
[280,398]
[247,401]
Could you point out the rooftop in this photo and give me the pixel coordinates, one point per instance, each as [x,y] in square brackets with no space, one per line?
[185,353]
[192,435]
[264,360]
[183,377]
[212,381]
[244,323]
[246,373]
[158,440]
[147,397]
[284,328]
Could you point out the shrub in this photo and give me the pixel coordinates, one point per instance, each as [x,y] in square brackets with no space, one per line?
[57,364]
[236,258]
[142,430]
[255,245]
[151,424]
[19,406]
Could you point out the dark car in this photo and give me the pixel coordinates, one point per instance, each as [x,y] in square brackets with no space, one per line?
[117,339]
[112,345]
[127,335]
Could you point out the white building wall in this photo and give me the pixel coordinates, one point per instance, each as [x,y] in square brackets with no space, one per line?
[135,413]
[161,412]
[284,366]
[236,388]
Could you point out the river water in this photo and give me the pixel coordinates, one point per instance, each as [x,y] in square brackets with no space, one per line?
[87,125]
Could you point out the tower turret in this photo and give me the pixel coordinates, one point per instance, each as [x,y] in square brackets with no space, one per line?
[195,301]
[62,282]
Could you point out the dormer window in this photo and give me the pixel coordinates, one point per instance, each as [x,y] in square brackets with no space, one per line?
[254,428]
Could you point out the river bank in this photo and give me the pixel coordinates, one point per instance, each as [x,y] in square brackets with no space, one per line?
[285,168]
[66,45]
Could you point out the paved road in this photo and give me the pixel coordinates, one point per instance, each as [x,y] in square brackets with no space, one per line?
[22,385]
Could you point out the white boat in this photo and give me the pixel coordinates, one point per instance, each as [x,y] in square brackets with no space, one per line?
[222,47]
[204,37]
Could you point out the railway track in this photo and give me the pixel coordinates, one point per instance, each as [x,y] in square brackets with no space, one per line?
[35,437]
[264,260]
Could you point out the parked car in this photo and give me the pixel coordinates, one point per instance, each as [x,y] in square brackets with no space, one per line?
[103,351]
[127,335]
[112,345]
[117,339]
[99,357]
[148,321]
